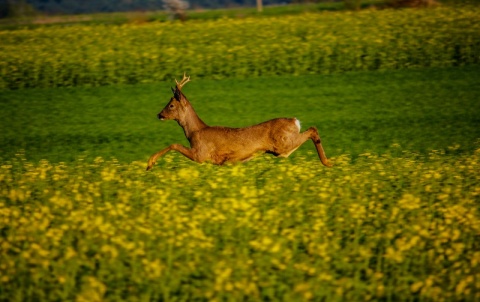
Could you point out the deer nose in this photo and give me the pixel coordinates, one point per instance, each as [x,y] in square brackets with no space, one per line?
[160,116]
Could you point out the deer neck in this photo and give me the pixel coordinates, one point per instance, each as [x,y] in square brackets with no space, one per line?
[191,123]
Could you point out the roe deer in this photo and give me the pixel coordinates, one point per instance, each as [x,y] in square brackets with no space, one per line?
[218,145]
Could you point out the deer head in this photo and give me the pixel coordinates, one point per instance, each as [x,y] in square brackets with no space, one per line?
[178,104]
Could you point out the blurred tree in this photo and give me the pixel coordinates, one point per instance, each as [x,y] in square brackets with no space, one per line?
[176,8]
[259,6]
[16,9]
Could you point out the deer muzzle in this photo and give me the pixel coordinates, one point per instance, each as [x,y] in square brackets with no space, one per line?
[160,116]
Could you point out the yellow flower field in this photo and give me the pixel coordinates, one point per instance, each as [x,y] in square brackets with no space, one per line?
[377,227]
[326,42]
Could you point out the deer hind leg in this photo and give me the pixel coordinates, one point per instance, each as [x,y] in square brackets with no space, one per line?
[292,143]
[298,139]
[318,145]
[177,147]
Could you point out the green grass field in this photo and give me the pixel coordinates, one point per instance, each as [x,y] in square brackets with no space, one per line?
[422,110]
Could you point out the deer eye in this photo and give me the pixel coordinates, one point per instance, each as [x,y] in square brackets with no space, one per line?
[171,106]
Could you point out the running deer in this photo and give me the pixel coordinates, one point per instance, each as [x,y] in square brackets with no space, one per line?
[219,145]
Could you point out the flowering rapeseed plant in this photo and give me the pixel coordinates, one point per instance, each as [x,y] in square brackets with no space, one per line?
[326,42]
[381,227]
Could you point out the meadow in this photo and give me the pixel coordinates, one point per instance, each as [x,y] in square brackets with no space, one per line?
[422,110]
[396,219]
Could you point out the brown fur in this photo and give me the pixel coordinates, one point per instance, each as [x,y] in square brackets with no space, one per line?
[220,145]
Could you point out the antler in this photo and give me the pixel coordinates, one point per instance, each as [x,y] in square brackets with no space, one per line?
[183,81]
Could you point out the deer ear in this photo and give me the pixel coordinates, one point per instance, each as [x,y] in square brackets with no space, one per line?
[178,94]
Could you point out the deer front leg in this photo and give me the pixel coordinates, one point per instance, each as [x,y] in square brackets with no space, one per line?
[177,147]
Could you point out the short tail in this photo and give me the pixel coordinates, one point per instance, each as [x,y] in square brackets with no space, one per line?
[297,123]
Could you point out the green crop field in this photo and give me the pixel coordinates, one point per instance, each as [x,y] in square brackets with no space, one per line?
[397,218]
[422,110]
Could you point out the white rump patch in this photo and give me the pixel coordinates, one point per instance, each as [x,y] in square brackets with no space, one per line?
[297,122]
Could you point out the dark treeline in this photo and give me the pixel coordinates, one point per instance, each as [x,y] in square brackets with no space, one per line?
[90,6]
